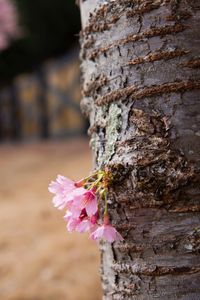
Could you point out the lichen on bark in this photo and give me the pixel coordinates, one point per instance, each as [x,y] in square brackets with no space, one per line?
[113,125]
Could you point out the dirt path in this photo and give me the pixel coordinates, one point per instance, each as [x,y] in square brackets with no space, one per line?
[39,260]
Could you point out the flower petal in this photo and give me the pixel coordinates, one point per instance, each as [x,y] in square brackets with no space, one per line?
[84,226]
[98,233]
[72,224]
[91,207]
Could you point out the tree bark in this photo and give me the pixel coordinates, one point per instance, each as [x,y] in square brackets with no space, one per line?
[141,81]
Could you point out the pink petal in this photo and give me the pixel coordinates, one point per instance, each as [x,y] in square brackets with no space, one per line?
[54,187]
[65,192]
[110,233]
[78,196]
[64,180]
[67,216]
[59,202]
[78,192]
[75,211]
[119,237]
[94,219]
[84,226]
[107,232]
[91,207]
[97,234]
[72,224]
[62,185]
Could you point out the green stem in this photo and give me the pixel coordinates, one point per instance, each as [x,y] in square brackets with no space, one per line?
[90,176]
[106,202]
[97,181]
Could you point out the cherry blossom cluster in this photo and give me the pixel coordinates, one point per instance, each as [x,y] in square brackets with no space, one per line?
[8,23]
[83,201]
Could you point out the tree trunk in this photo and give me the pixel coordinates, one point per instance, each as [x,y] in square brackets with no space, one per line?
[141,84]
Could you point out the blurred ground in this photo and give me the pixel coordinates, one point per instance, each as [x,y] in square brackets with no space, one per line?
[39,260]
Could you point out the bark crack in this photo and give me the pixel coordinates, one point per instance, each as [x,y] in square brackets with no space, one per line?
[143,268]
[139,93]
[193,63]
[153,32]
[158,56]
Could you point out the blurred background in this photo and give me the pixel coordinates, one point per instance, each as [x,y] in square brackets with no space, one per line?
[42,134]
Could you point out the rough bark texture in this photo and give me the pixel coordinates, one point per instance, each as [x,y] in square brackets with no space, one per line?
[141,82]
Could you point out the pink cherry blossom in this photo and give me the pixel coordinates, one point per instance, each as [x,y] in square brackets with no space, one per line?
[95,218]
[83,212]
[107,232]
[62,184]
[80,224]
[71,221]
[9,28]
[88,201]
[65,191]
[72,224]
[85,225]
[74,210]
